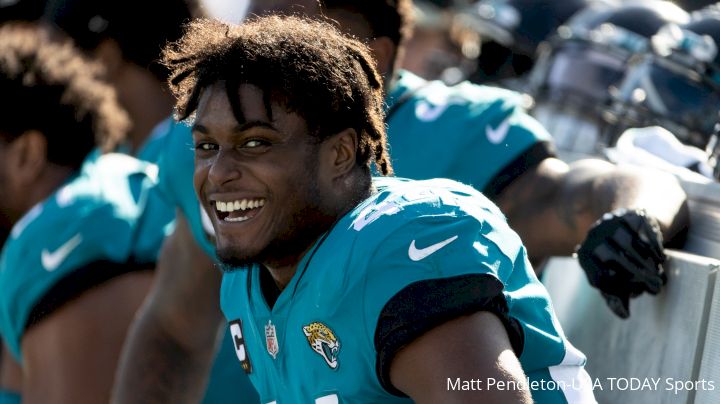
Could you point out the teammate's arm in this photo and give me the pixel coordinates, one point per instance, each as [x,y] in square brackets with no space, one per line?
[10,372]
[70,355]
[566,200]
[472,347]
[171,345]
[620,252]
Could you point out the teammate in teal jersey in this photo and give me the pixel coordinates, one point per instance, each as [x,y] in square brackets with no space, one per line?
[339,289]
[534,189]
[477,133]
[127,37]
[74,267]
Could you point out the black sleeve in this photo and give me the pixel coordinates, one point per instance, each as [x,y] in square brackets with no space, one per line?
[424,305]
[76,283]
[528,159]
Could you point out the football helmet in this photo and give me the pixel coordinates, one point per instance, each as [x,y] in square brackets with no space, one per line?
[678,85]
[511,30]
[582,64]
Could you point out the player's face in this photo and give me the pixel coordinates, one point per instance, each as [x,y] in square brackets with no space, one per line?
[257,178]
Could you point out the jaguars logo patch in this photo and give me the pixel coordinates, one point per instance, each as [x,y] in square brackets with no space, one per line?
[323,341]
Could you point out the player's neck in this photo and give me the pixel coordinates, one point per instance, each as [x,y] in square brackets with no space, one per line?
[281,274]
[283,269]
[270,289]
[283,264]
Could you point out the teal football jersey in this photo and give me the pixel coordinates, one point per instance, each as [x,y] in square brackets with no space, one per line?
[478,135]
[101,223]
[415,254]
[9,397]
[463,151]
[176,164]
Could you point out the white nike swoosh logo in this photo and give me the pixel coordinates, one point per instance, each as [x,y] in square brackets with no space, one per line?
[431,110]
[416,254]
[427,112]
[497,135]
[52,260]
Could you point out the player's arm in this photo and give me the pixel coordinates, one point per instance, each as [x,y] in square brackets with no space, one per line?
[443,315]
[171,345]
[566,202]
[472,347]
[10,373]
[70,355]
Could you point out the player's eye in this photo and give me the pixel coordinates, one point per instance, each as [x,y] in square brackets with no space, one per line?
[205,146]
[254,143]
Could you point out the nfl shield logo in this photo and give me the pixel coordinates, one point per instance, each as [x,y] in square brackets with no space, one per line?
[271,339]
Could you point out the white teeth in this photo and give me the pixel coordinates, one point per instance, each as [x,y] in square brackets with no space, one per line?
[236,219]
[240,204]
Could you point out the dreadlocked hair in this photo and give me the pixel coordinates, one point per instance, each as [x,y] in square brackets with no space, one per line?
[307,66]
[46,85]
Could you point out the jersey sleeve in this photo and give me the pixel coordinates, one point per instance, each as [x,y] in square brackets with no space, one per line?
[90,231]
[480,135]
[9,397]
[509,140]
[433,270]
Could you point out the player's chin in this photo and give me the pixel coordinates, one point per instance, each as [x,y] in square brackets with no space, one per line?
[232,258]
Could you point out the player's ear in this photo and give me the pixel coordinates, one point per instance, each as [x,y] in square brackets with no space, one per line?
[28,156]
[340,152]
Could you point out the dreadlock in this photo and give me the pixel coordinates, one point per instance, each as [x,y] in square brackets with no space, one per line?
[46,85]
[308,66]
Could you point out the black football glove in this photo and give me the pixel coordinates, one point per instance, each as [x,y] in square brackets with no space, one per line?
[622,256]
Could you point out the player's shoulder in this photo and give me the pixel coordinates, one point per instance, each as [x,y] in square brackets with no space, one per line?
[93,218]
[409,84]
[99,205]
[458,103]
[399,204]
[174,154]
[116,167]
[174,136]
[401,210]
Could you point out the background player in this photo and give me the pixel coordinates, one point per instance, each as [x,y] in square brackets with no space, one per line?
[85,233]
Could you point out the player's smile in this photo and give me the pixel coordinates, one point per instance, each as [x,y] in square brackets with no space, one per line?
[236,210]
[255,174]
